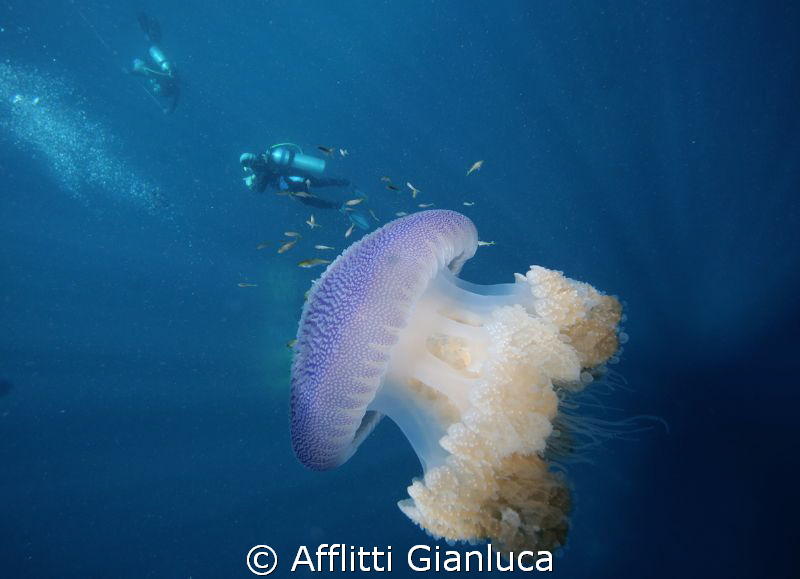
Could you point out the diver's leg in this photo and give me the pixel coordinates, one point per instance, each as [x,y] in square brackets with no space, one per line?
[330,182]
[172,101]
[150,27]
[318,203]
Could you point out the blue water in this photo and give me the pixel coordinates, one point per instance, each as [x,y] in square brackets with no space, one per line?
[649,148]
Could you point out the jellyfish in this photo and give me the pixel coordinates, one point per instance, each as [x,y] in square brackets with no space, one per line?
[474,376]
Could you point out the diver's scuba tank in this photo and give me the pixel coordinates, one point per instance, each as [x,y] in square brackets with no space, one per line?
[160,59]
[283,156]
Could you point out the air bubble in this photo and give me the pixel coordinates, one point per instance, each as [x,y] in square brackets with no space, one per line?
[83,154]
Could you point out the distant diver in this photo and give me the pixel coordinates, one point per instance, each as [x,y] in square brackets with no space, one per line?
[286,169]
[162,80]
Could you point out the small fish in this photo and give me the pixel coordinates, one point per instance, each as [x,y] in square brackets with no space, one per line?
[323,247]
[302,195]
[386,179]
[425,205]
[392,187]
[245,284]
[312,262]
[475,167]
[287,246]
[375,217]
[401,214]
[291,234]
[468,203]
[414,190]
[349,231]
[484,243]
[312,223]
[352,202]
[262,245]
[327,150]
[344,152]
[290,344]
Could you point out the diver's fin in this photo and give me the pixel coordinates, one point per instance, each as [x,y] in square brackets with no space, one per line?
[150,27]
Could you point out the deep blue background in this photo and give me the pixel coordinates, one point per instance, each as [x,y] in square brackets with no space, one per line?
[650,148]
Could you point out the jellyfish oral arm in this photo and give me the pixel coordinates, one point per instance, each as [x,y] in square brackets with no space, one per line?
[472,382]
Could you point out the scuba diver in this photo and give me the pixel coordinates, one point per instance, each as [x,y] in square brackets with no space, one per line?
[285,168]
[162,81]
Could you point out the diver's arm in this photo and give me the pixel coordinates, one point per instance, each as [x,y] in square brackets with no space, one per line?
[145,70]
[264,180]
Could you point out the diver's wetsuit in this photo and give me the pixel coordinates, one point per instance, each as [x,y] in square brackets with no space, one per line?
[163,81]
[169,88]
[163,87]
[266,177]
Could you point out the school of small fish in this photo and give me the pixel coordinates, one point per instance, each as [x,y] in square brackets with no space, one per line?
[348,207]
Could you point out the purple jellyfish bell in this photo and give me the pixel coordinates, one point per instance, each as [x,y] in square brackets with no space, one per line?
[353,317]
